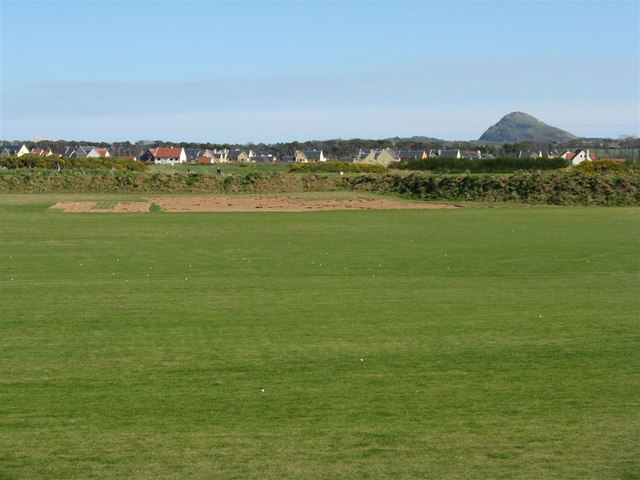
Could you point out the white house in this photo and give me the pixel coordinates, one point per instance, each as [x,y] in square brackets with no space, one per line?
[164,155]
[578,156]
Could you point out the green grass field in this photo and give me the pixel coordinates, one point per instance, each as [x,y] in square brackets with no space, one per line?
[497,343]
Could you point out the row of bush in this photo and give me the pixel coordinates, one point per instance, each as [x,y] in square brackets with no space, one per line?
[336,167]
[40,180]
[482,165]
[607,165]
[56,163]
[555,188]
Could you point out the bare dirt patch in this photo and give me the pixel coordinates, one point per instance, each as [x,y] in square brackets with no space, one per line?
[90,207]
[254,203]
[283,203]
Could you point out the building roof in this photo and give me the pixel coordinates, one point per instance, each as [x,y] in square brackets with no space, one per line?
[528,154]
[166,152]
[85,149]
[377,152]
[40,151]
[193,153]
[12,147]
[411,154]
[448,154]
[311,153]
[234,154]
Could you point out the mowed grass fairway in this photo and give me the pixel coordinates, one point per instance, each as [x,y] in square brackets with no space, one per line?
[497,343]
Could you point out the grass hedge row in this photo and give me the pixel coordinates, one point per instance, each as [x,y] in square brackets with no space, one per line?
[607,165]
[56,163]
[557,188]
[336,167]
[42,180]
[483,165]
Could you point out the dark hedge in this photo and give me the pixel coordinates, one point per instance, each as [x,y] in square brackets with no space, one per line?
[483,165]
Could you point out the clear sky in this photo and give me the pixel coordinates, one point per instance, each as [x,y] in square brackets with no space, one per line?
[271,71]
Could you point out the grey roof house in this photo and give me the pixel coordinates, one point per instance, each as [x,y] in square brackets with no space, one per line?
[413,155]
[377,157]
[305,156]
[13,150]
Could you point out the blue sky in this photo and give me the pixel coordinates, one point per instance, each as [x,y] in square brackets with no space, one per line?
[270,71]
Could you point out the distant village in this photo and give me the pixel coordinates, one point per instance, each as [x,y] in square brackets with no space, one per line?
[376,156]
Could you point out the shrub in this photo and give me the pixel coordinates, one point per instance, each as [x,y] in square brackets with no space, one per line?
[336,167]
[556,188]
[606,165]
[57,163]
[483,165]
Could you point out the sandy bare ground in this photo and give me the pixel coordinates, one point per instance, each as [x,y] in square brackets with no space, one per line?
[120,207]
[255,203]
[282,203]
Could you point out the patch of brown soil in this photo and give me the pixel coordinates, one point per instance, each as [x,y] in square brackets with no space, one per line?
[281,203]
[89,207]
[255,203]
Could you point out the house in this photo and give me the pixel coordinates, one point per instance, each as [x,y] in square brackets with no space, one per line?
[471,155]
[413,155]
[193,154]
[86,152]
[306,156]
[527,154]
[215,156]
[13,150]
[264,159]
[445,154]
[102,152]
[267,154]
[219,157]
[164,155]
[41,152]
[242,156]
[377,156]
[578,156]
[203,160]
